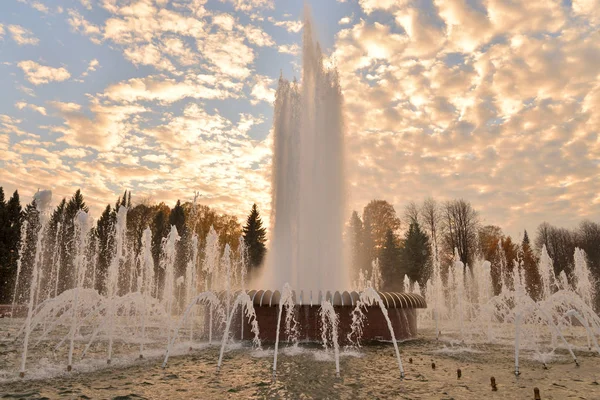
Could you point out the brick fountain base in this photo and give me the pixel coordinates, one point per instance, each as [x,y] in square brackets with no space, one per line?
[402,311]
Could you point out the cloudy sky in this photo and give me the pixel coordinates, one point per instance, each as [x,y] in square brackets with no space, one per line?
[497,102]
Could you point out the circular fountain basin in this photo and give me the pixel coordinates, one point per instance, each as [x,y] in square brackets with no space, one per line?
[401,309]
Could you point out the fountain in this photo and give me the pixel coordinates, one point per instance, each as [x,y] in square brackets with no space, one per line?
[152,308]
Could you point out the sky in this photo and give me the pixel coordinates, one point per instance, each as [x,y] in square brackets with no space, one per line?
[496,102]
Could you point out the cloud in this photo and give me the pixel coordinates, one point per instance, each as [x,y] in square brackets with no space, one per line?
[261,91]
[80,24]
[293,49]
[42,74]
[21,105]
[36,5]
[22,36]
[1,31]
[250,5]
[92,66]
[165,90]
[290,26]
[108,126]
[345,20]
[75,152]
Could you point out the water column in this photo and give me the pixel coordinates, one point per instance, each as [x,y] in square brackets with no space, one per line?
[308,201]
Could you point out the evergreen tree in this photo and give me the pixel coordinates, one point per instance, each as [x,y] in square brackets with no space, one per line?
[32,231]
[67,246]
[11,232]
[533,280]
[357,245]
[4,269]
[417,254]
[52,248]
[177,218]
[105,229]
[390,263]
[160,229]
[255,236]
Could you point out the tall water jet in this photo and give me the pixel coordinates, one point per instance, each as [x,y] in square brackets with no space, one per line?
[82,230]
[308,201]
[112,283]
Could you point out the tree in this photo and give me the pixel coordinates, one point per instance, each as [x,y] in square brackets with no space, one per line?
[411,213]
[390,264]
[4,269]
[461,226]
[160,230]
[560,244]
[355,234]
[379,216]
[105,229]
[177,218]
[490,239]
[254,237]
[430,214]
[29,249]
[67,241]
[417,254]
[52,249]
[588,239]
[533,280]
[12,220]
[510,254]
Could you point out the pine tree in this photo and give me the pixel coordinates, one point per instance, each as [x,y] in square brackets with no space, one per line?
[4,269]
[390,263]
[255,237]
[105,229]
[52,247]
[160,229]
[67,244]
[357,245]
[533,280]
[417,254]
[32,231]
[13,216]
[177,218]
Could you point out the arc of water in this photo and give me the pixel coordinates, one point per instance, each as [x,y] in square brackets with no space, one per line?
[584,322]
[369,296]
[245,302]
[328,314]
[285,297]
[204,297]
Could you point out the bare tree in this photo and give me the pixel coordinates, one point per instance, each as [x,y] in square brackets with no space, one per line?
[560,244]
[461,226]
[431,217]
[411,213]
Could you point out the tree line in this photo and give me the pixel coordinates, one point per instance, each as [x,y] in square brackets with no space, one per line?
[409,244]
[404,245]
[25,240]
